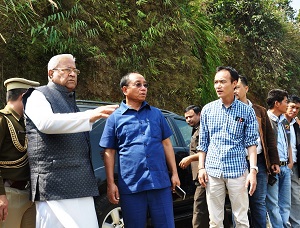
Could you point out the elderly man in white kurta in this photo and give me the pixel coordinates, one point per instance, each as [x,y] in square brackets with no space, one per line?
[62,179]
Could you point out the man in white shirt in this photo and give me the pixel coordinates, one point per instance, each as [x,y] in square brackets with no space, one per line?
[62,179]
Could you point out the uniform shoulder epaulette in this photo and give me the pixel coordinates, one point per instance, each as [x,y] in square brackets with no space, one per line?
[14,136]
[3,111]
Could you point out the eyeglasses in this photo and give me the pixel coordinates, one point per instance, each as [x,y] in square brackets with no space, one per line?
[68,70]
[139,85]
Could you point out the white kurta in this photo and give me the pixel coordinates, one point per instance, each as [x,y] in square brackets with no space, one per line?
[68,213]
[38,109]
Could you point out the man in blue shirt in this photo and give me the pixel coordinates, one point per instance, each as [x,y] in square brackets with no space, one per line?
[278,199]
[140,135]
[227,127]
[290,115]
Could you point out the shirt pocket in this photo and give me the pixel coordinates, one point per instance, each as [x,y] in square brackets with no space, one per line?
[128,132]
[236,127]
[155,130]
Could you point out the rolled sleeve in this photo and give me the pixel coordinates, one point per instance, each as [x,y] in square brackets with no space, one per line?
[203,133]
[251,132]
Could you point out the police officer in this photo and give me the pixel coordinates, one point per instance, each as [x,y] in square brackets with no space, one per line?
[16,210]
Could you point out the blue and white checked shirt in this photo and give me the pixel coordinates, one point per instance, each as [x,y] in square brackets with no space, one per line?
[224,135]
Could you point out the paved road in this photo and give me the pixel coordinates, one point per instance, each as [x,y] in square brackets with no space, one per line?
[187,223]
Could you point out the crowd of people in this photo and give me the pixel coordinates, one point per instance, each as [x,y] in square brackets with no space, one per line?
[245,147]
[237,148]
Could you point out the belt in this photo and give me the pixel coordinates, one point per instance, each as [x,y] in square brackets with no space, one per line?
[283,163]
[21,185]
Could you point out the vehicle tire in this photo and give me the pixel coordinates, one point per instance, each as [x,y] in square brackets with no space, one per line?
[108,214]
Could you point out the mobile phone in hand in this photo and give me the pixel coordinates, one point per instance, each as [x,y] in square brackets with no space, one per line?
[180,192]
[272,179]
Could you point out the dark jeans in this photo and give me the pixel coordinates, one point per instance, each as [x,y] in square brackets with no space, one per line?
[257,201]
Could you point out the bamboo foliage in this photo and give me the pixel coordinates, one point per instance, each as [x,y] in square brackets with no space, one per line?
[19,14]
[176,44]
[257,33]
[62,30]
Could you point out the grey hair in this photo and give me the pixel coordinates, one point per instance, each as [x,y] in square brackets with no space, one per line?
[57,58]
[54,61]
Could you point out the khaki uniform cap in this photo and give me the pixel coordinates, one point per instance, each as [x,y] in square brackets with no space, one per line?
[19,83]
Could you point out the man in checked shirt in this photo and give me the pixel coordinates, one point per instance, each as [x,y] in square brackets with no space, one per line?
[227,127]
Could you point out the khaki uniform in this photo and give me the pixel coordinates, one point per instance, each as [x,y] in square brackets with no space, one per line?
[200,212]
[14,171]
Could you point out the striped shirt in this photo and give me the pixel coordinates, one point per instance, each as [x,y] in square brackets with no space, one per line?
[224,135]
[283,135]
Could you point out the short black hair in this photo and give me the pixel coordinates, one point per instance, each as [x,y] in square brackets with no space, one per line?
[244,80]
[233,72]
[14,94]
[197,109]
[125,79]
[276,95]
[294,99]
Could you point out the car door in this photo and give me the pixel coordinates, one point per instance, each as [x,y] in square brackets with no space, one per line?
[181,139]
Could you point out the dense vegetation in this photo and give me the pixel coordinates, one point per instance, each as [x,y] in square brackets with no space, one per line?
[175,44]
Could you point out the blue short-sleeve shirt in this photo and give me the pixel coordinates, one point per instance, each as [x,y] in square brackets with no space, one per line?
[137,136]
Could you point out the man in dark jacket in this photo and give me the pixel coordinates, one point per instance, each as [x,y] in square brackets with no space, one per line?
[267,156]
[278,199]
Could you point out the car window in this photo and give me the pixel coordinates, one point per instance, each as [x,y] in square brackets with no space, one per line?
[175,139]
[185,130]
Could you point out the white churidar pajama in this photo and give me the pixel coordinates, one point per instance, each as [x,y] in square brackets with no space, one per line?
[67,213]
